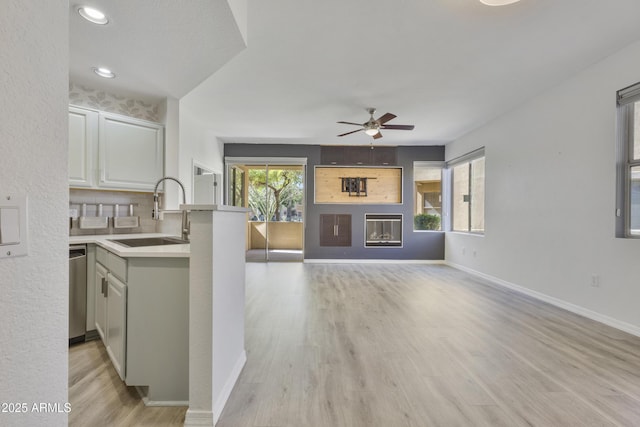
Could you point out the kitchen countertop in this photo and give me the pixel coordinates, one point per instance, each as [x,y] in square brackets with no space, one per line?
[103,240]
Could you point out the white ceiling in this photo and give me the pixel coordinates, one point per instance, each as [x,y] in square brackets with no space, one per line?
[446,66]
[157,48]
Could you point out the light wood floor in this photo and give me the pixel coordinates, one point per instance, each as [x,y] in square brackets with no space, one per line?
[332,345]
[99,398]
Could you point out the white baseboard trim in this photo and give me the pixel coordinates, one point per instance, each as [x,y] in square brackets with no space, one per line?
[601,318]
[198,418]
[148,402]
[372,261]
[219,403]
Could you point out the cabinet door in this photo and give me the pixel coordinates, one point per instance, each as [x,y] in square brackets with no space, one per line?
[131,153]
[384,156]
[357,155]
[101,301]
[335,230]
[344,230]
[117,322]
[83,136]
[332,155]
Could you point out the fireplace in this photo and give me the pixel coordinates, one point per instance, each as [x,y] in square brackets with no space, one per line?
[383,230]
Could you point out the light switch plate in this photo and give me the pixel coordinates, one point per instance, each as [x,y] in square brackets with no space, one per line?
[13,226]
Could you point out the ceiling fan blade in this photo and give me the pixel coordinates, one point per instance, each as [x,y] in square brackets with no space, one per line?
[398,127]
[386,117]
[349,133]
[350,123]
[377,135]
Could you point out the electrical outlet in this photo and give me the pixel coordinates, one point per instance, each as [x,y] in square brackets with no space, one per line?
[595,281]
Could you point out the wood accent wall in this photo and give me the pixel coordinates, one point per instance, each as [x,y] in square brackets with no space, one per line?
[384,184]
[282,235]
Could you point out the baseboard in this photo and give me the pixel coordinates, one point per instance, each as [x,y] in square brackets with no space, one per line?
[142,391]
[372,261]
[92,335]
[198,418]
[601,318]
[148,402]
[218,405]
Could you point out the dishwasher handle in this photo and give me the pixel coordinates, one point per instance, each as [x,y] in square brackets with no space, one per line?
[77,252]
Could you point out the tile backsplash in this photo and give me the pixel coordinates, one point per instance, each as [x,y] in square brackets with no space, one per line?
[142,207]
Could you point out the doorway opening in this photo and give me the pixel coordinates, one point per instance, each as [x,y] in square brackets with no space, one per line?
[274,192]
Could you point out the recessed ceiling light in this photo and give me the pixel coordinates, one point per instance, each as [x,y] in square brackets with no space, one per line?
[498,2]
[93,15]
[104,72]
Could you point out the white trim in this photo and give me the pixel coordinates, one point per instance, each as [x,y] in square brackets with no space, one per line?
[198,418]
[147,402]
[435,164]
[601,318]
[465,158]
[218,405]
[372,261]
[276,161]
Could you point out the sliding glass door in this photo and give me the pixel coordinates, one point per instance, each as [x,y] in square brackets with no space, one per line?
[274,192]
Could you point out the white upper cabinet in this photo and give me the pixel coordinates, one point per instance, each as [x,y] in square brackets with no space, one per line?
[83,137]
[110,151]
[131,152]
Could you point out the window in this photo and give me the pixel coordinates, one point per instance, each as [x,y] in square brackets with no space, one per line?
[467,192]
[427,184]
[628,167]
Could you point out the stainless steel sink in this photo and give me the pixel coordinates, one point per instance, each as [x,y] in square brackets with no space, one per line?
[150,241]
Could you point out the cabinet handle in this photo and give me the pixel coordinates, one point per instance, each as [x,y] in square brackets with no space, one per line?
[104,287]
[335,230]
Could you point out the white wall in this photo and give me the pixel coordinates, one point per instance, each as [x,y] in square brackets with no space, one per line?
[550,197]
[198,143]
[34,58]
[170,116]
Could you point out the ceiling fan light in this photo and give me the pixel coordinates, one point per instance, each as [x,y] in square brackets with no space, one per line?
[498,2]
[371,131]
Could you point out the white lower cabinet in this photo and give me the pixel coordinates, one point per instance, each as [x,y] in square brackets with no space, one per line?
[142,316]
[101,301]
[117,319]
[111,307]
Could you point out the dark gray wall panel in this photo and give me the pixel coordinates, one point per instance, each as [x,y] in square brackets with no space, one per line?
[416,245]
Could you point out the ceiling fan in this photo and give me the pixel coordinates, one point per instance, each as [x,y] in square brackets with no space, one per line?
[373,126]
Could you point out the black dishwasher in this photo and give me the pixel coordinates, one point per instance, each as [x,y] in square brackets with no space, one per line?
[77,293]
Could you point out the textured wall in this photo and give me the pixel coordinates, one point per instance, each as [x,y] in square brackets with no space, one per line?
[34,58]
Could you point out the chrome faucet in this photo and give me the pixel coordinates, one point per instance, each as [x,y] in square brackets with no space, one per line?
[156,210]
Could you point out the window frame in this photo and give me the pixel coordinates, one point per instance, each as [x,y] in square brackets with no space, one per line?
[467,158]
[431,164]
[626,100]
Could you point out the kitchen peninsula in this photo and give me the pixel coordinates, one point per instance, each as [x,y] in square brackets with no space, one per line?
[138,303]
